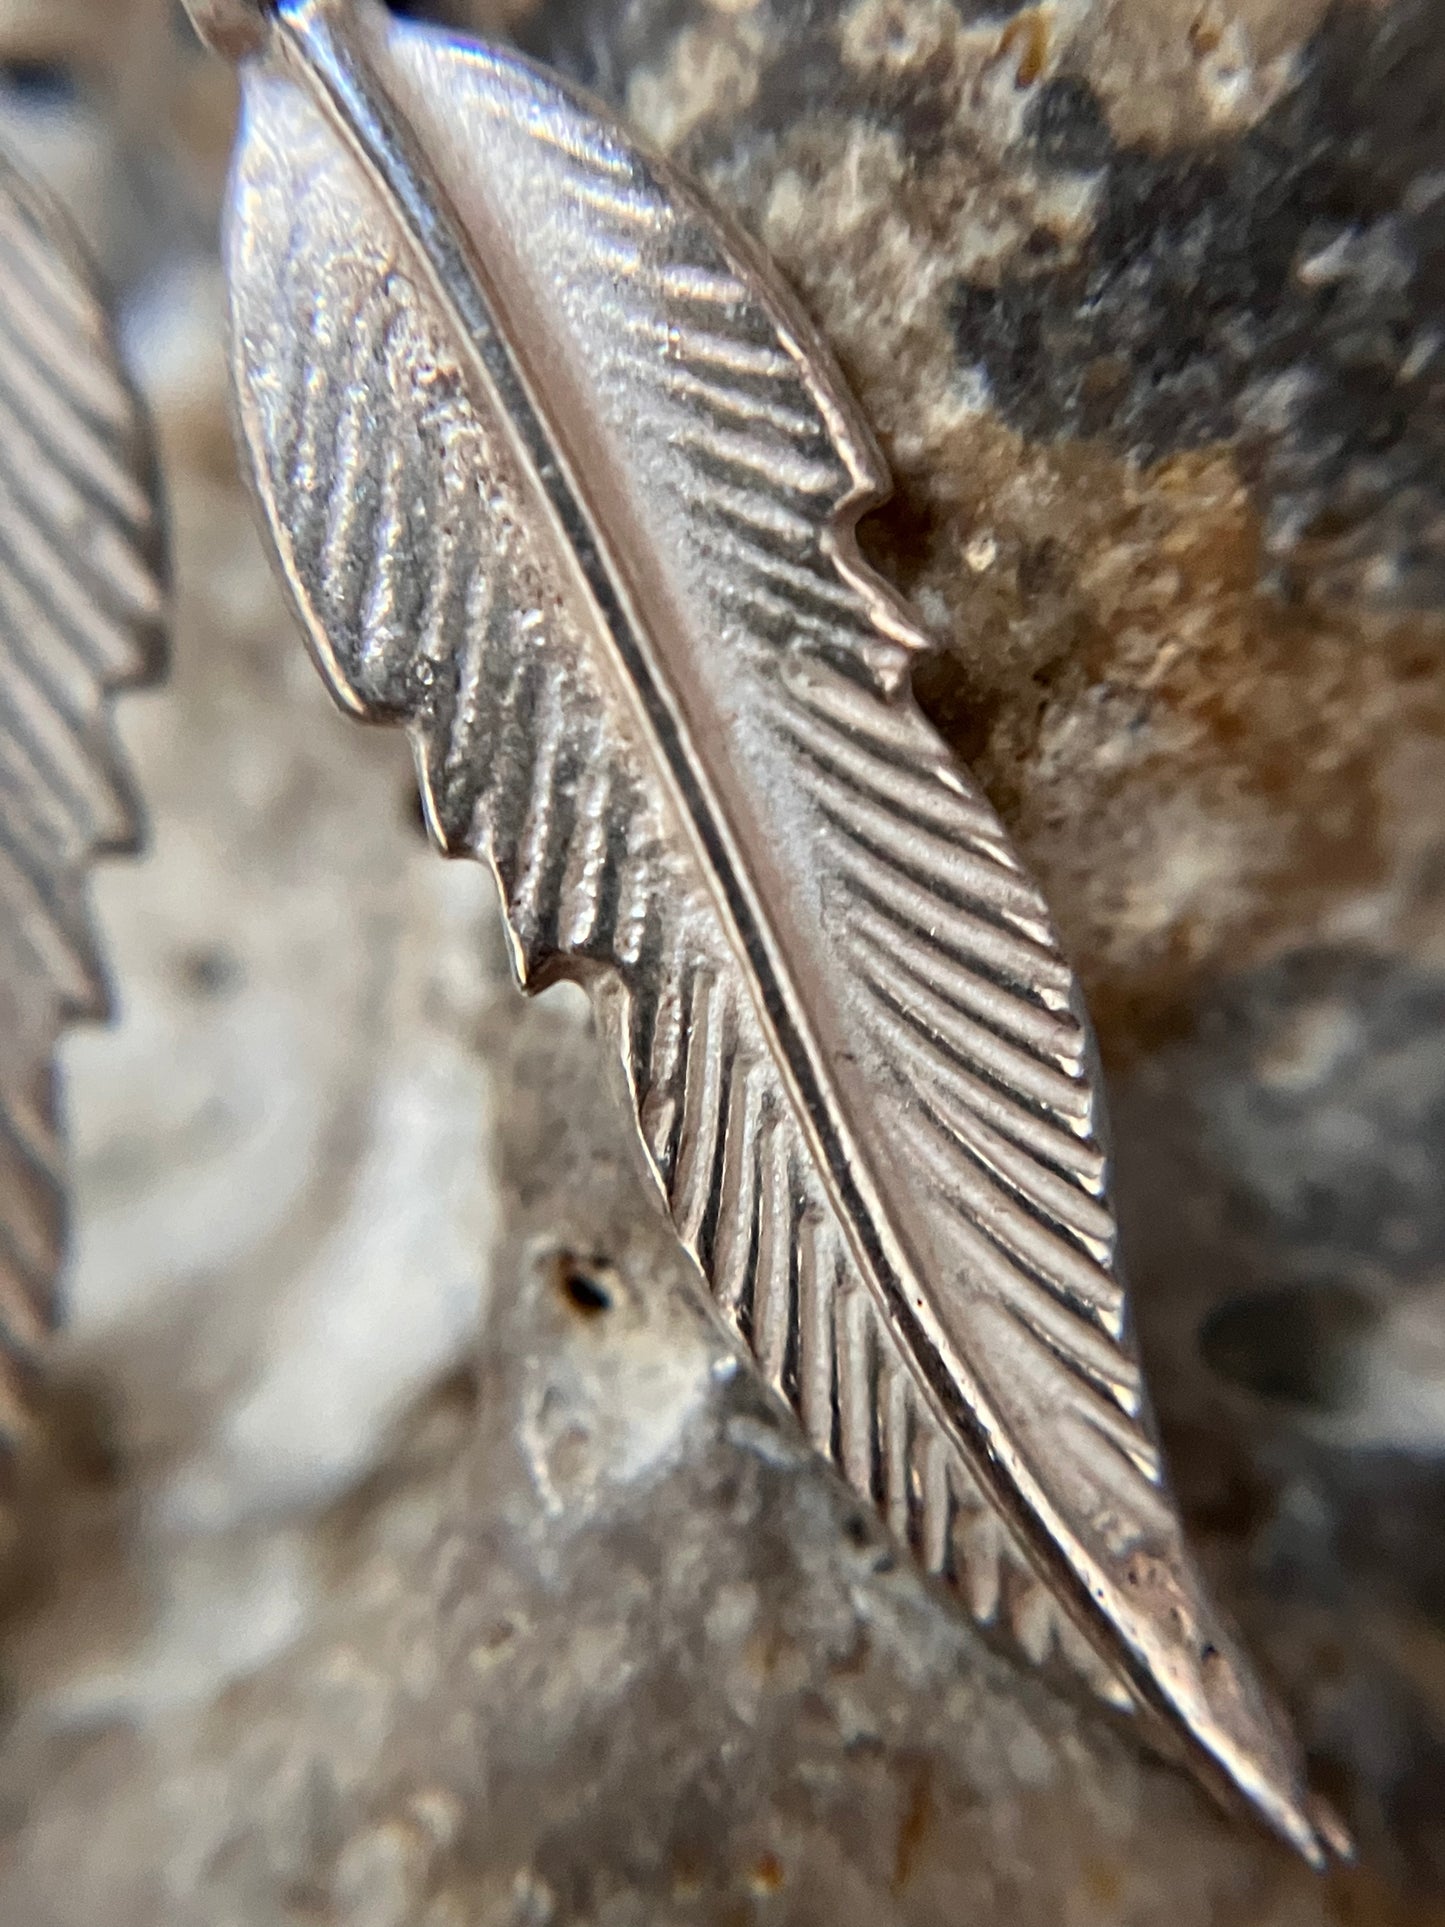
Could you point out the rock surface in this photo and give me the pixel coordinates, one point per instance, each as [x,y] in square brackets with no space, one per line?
[326,1610]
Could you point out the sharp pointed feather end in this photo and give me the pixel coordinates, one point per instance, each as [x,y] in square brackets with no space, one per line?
[1250,1755]
[1306,1822]
[1192,1671]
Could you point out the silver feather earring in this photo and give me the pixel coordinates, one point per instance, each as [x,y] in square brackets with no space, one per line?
[83,592]
[559,477]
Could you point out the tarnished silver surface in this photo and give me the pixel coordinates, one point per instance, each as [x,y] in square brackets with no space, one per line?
[559,477]
[82,598]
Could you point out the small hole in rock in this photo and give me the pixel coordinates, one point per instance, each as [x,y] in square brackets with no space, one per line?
[584,1291]
[209,972]
[45,82]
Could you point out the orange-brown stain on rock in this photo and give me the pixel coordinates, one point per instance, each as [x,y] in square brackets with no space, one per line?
[766,1874]
[1026,40]
[1103,1885]
[913,1828]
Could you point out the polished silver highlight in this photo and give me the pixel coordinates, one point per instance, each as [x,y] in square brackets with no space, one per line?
[560,478]
[82,602]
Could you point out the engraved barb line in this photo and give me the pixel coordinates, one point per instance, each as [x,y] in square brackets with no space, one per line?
[892,1178]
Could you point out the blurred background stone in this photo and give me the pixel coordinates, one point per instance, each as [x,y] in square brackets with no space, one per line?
[326,1610]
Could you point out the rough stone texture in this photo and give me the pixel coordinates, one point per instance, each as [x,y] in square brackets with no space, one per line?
[324,1612]
[597,1645]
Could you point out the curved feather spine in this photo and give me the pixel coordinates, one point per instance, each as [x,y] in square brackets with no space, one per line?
[526,299]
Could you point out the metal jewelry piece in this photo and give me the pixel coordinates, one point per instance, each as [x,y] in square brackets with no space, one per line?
[82,614]
[559,476]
